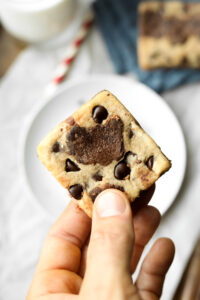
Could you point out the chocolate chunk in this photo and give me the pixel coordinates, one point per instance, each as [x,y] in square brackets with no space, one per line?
[76,191]
[97,177]
[130,135]
[97,190]
[149,22]
[149,162]
[99,114]
[99,144]
[178,30]
[179,36]
[121,170]
[70,166]
[56,147]
[70,121]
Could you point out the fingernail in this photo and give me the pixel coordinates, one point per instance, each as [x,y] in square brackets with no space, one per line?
[110,203]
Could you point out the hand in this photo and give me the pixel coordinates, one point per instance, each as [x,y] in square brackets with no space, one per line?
[113,250]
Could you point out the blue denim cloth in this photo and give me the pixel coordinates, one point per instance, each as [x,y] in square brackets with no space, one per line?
[117,20]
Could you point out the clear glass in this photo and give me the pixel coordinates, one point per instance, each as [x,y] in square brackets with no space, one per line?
[36,20]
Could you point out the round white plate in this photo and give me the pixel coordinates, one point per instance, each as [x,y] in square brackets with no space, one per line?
[150,110]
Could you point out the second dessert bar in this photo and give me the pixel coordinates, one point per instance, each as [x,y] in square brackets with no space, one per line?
[169,35]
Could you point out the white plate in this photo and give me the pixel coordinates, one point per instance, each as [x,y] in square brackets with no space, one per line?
[149,109]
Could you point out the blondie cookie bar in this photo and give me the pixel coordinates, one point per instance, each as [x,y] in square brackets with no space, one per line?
[102,146]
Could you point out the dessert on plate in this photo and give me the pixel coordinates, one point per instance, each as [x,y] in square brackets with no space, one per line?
[102,146]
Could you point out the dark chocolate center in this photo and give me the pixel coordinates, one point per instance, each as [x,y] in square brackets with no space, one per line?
[99,144]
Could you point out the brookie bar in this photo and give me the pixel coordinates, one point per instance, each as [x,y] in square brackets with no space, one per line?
[169,35]
[102,146]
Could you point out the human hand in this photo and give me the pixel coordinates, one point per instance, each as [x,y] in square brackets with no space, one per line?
[113,250]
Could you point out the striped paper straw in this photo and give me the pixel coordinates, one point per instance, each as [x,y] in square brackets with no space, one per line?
[72,51]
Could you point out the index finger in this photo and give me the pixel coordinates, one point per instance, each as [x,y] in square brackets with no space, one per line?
[62,247]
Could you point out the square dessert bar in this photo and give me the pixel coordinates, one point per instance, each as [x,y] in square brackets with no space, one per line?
[169,34]
[102,146]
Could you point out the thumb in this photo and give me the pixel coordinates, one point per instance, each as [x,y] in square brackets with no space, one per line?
[112,236]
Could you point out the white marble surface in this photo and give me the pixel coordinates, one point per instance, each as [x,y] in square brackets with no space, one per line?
[23,225]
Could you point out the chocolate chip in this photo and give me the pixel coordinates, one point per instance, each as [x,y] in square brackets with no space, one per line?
[70,166]
[56,147]
[76,191]
[121,170]
[99,114]
[149,162]
[130,135]
[97,177]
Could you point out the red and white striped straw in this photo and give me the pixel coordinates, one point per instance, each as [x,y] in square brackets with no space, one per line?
[73,49]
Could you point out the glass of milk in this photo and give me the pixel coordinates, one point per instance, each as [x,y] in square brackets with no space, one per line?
[36,20]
